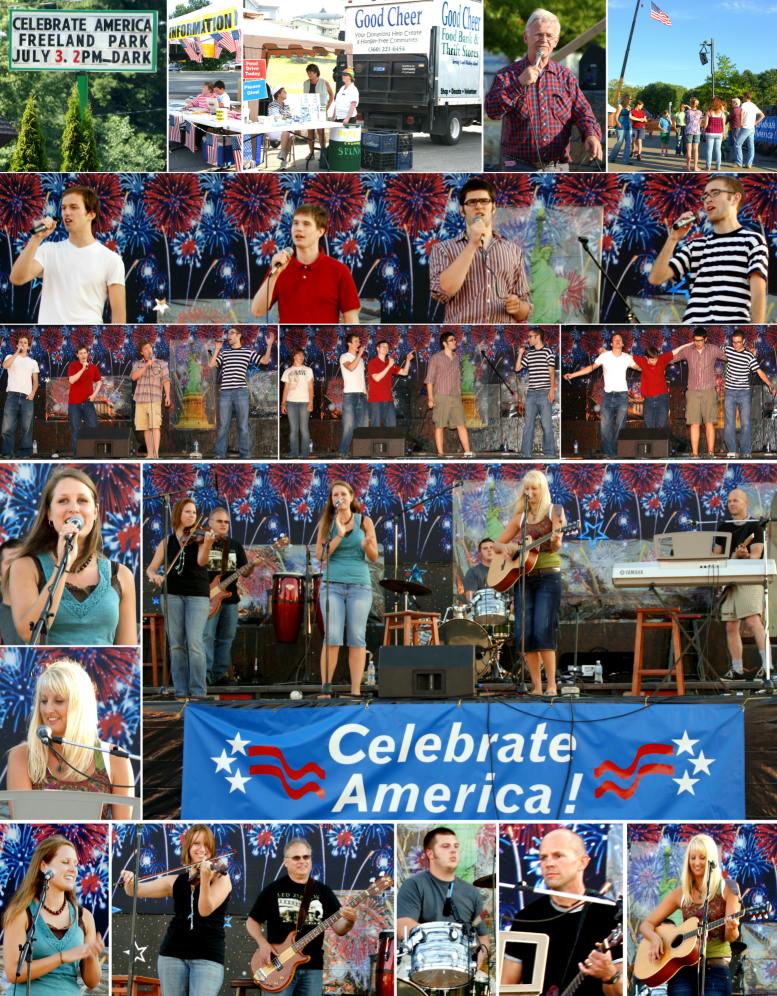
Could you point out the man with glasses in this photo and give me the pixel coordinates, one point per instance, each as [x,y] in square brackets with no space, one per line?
[540,100]
[727,270]
[740,363]
[479,275]
[539,360]
[278,907]
[443,389]
[701,394]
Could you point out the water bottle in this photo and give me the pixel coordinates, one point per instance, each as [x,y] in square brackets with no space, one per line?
[598,673]
[370,676]
[575,447]
[35,447]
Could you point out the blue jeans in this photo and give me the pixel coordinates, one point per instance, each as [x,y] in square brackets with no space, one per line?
[17,412]
[543,599]
[615,407]
[354,417]
[717,982]
[349,607]
[306,982]
[622,138]
[714,143]
[218,638]
[83,414]
[745,136]
[382,413]
[537,403]
[186,618]
[197,977]
[733,399]
[233,401]
[299,433]
[655,411]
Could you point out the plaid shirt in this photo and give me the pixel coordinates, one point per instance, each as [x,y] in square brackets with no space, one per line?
[543,113]
[148,387]
[444,374]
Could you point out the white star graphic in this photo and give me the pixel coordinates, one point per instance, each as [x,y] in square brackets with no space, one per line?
[685,783]
[685,744]
[238,744]
[161,305]
[702,763]
[237,781]
[141,952]
[223,762]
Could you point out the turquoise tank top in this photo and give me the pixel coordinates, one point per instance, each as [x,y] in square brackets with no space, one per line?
[348,564]
[92,622]
[63,981]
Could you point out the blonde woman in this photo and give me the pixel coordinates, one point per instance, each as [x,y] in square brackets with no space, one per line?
[65,701]
[543,584]
[689,898]
[66,942]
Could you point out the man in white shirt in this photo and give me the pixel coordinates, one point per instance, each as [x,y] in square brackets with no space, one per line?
[79,273]
[751,116]
[347,99]
[355,413]
[221,95]
[20,391]
[615,404]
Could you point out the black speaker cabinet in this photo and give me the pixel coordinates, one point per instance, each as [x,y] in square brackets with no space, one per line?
[104,442]
[643,443]
[426,672]
[378,443]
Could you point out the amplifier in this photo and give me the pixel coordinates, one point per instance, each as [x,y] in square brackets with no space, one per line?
[426,672]
[644,443]
[104,442]
[378,443]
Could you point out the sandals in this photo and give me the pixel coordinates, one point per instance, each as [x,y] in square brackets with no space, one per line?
[326,691]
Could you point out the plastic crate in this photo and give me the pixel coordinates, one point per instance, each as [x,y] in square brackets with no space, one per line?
[378,140]
[405,160]
[405,141]
[380,162]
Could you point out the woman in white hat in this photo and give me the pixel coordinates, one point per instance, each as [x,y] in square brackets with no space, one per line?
[347,98]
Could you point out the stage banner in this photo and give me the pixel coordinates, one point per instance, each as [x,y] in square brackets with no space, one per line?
[466,761]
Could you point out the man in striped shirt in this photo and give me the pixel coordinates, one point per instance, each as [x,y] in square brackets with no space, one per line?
[539,360]
[479,275]
[233,393]
[740,363]
[728,270]
[443,389]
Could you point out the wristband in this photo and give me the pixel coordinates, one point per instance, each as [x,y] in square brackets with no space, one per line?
[614,979]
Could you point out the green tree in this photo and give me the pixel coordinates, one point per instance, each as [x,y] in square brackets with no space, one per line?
[90,159]
[123,148]
[505,20]
[187,8]
[71,136]
[658,96]
[29,154]
[628,89]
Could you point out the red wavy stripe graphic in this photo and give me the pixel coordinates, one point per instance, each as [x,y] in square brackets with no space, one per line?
[311,768]
[627,793]
[292,793]
[641,752]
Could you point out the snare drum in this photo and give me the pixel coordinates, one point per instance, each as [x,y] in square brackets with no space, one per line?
[440,955]
[489,607]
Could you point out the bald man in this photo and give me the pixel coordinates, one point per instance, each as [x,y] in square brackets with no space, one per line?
[573,927]
[743,603]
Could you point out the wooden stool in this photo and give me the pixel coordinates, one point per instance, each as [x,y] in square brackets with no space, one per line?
[154,625]
[650,619]
[142,985]
[243,986]
[409,624]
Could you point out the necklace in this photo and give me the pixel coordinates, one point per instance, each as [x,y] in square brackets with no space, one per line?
[348,521]
[57,911]
[83,566]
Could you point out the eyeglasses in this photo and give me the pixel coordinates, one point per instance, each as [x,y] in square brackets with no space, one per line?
[298,857]
[478,202]
[714,193]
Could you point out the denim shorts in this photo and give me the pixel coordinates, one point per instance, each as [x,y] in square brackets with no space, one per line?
[349,608]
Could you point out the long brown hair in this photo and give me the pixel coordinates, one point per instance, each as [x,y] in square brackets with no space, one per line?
[33,878]
[43,537]
[327,516]
[178,508]
[188,838]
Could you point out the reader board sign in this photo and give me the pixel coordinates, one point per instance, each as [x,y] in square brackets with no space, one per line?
[197,24]
[82,41]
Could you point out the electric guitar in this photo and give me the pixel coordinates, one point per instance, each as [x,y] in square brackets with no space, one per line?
[505,571]
[681,947]
[218,587]
[287,956]
[612,940]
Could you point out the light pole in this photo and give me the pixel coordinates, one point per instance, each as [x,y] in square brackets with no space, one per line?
[705,45]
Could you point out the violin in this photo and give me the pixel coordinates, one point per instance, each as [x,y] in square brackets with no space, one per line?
[219,866]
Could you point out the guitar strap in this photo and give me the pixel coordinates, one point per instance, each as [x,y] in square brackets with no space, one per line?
[225,544]
[573,947]
[307,895]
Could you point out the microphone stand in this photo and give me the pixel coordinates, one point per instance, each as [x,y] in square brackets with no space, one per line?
[112,749]
[134,913]
[41,625]
[504,448]
[630,316]
[701,971]
[521,689]
[25,950]
[585,897]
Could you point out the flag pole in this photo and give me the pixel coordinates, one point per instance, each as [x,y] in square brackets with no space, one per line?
[619,84]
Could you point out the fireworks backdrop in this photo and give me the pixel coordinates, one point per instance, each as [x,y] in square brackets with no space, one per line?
[519,853]
[748,853]
[347,857]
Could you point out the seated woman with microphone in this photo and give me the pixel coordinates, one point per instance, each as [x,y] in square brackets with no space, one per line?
[93,601]
[66,708]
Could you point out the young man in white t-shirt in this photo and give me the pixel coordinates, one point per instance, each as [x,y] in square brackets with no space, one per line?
[615,404]
[297,403]
[355,413]
[79,273]
[20,391]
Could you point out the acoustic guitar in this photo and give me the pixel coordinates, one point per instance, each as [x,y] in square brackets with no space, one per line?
[505,571]
[612,940]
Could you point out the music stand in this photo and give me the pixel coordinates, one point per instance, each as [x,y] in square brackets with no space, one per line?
[62,804]
[533,986]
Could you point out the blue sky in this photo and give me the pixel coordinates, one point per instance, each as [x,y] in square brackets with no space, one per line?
[744,30]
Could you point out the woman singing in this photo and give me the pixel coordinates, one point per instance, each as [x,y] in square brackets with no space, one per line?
[297,403]
[188,601]
[543,584]
[346,581]
[191,957]
[66,942]
[65,702]
[94,600]
[689,897]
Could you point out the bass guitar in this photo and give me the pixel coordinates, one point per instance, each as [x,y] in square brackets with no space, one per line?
[612,940]
[219,585]
[505,571]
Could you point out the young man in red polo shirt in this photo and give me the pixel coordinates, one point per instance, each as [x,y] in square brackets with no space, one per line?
[381,371]
[85,383]
[309,286]
[655,390]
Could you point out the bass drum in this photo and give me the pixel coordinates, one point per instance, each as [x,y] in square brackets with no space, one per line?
[465,633]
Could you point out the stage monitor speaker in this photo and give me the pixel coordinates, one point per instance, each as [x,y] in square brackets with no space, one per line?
[426,672]
[643,443]
[104,442]
[378,443]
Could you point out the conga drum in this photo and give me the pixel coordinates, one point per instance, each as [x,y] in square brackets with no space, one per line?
[288,605]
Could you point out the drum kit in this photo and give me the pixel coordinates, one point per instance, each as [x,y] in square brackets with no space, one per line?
[485,624]
[440,959]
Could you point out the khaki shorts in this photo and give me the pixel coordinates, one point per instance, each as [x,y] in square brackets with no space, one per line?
[741,601]
[448,411]
[701,407]
[148,415]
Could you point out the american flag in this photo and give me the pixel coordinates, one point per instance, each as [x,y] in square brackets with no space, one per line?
[174,130]
[241,150]
[191,137]
[238,50]
[192,48]
[212,144]
[660,15]
[225,40]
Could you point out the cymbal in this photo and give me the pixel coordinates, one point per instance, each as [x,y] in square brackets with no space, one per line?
[485,881]
[400,587]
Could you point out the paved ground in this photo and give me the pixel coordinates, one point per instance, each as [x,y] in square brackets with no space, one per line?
[653,161]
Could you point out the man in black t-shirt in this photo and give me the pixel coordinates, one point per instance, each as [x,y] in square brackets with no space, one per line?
[573,927]
[226,556]
[277,908]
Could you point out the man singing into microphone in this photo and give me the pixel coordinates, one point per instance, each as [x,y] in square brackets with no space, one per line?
[354,390]
[152,383]
[79,273]
[20,393]
[309,286]
[85,382]
[539,360]
[233,393]
[727,270]
[381,371]
[479,275]
[539,101]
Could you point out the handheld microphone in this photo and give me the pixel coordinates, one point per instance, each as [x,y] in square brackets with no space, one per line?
[541,53]
[280,263]
[711,863]
[37,228]
[75,520]
[690,217]
[43,734]
[48,874]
